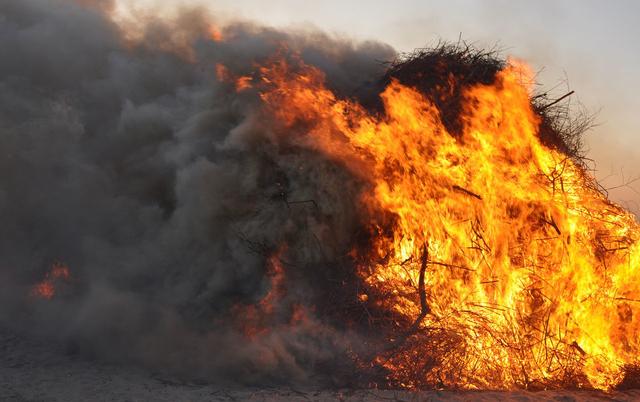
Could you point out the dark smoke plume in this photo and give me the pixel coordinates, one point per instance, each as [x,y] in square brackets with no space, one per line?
[164,192]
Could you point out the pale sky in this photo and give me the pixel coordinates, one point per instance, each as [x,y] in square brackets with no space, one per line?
[593,44]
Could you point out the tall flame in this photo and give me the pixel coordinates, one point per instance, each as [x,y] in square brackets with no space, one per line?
[530,273]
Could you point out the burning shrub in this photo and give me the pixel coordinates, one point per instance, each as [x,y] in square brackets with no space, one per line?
[493,261]
[255,225]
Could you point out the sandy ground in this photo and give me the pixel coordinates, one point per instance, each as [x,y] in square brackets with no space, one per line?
[36,372]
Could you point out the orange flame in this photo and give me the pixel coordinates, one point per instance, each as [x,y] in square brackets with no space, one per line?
[243,83]
[256,319]
[532,275]
[224,75]
[46,289]
[215,34]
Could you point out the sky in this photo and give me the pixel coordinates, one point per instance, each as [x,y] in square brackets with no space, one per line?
[587,46]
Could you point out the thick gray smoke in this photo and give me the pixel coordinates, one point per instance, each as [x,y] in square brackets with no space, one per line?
[162,190]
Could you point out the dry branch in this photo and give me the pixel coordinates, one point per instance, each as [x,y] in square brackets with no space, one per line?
[557,100]
[467,192]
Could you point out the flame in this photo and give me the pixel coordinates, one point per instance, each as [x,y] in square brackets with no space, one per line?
[259,318]
[215,34]
[530,273]
[46,289]
[224,75]
[243,83]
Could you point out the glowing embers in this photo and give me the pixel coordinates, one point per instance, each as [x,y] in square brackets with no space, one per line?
[46,289]
[531,278]
[274,310]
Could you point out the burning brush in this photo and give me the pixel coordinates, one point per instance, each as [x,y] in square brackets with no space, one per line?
[492,260]
[243,205]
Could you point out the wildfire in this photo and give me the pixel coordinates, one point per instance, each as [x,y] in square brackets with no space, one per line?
[46,289]
[496,258]
[223,74]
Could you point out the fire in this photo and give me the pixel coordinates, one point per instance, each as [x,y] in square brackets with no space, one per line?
[497,259]
[46,289]
[215,34]
[242,83]
[224,75]
[271,310]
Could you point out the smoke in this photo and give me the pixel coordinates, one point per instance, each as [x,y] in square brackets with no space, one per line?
[163,191]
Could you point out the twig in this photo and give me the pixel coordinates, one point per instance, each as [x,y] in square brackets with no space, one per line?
[557,100]
[424,307]
[315,204]
[467,192]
